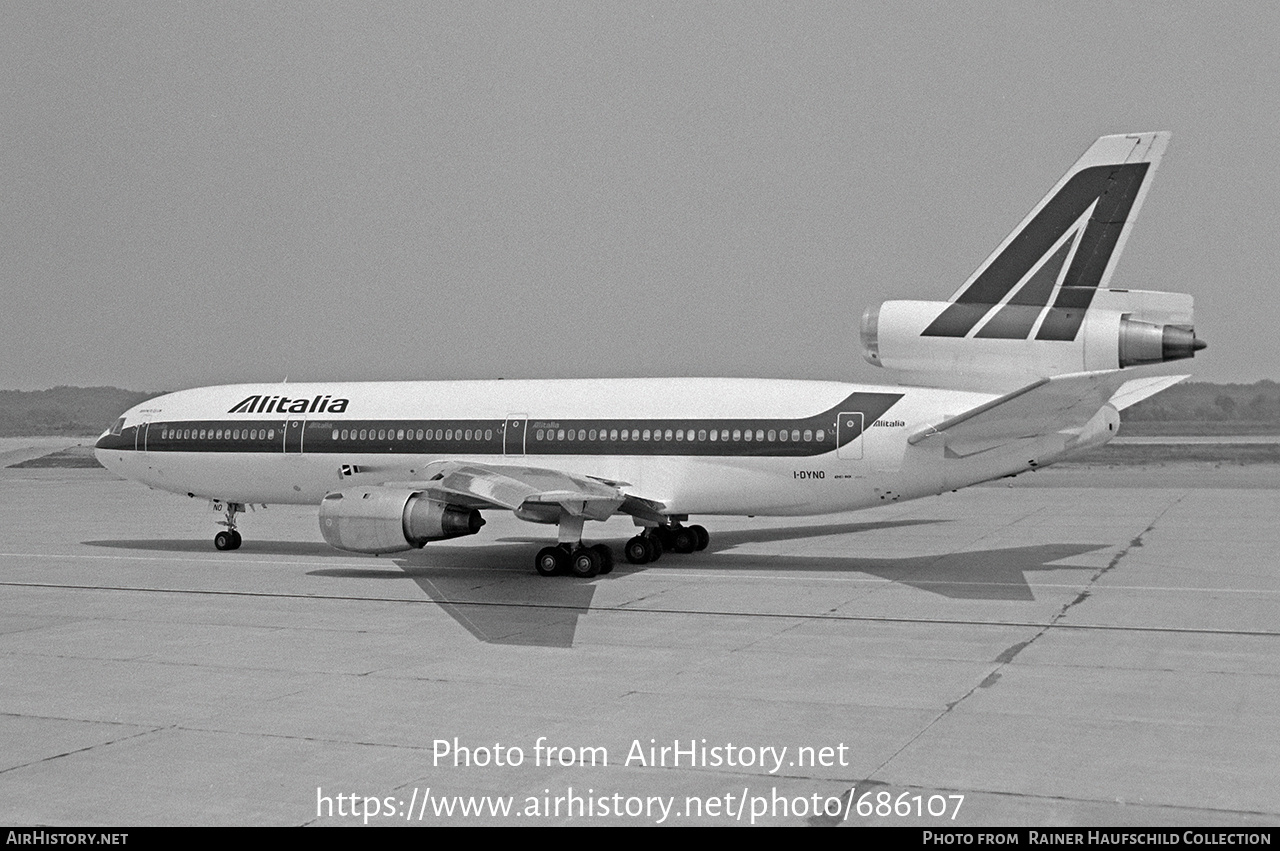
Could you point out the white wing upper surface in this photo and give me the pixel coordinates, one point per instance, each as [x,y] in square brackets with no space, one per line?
[525,490]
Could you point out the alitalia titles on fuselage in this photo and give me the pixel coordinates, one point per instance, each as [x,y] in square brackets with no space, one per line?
[285,405]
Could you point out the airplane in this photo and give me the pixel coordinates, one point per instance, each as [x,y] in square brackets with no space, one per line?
[1030,361]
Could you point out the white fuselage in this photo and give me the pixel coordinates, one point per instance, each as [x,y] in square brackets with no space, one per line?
[698,446]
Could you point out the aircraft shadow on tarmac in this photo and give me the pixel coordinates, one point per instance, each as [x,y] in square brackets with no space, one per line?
[493,593]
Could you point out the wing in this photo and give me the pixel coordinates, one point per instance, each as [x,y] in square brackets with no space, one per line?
[533,493]
[1042,407]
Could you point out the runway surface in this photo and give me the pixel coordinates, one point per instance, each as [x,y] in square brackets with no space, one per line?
[1090,647]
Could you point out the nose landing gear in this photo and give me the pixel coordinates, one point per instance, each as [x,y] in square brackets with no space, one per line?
[230,539]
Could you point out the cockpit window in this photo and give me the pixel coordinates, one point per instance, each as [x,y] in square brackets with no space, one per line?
[117,426]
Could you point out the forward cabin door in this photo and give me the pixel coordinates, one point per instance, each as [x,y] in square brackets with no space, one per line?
[142,432]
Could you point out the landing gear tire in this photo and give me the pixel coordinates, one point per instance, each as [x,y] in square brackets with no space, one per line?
[606,559]
[659,547]
[551,561]
[684,540]
[585,563]
[227,540]
[704,537]
[639,550]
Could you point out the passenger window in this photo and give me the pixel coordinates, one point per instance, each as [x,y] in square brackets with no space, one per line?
[702,434]
[715,435]
[795,435]
[772,435]
[541,435]
[271,434]
[680,434]
[613,434]
[560,434]
[819,435]
[737,435]
[808,434]
[488,434]
[667,435]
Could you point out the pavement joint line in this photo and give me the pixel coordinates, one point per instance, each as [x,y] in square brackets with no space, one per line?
[1006,657]
[1069,799]
[84,749]
[811,616]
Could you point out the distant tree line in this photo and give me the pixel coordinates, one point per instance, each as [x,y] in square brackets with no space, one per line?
[1203,402]
[74,411]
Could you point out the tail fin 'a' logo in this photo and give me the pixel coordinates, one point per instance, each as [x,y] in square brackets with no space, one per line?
[1043,278]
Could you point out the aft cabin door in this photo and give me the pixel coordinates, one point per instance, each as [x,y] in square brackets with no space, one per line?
[513,440]
[849,435]
[293,433]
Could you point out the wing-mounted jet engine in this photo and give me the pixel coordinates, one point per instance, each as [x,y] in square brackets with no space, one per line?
[388,520]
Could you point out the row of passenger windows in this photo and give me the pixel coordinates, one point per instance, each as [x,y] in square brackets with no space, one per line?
[559,435]
[701,435]
[410,434]
[218,434]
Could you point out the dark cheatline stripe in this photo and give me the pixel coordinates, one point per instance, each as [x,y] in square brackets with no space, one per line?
[315,436]
[1016,319]
[1114,187]
[1064,318]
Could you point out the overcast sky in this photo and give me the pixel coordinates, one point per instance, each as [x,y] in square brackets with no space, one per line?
[199,193]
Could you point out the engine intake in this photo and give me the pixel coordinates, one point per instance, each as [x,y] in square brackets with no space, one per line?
[389,520]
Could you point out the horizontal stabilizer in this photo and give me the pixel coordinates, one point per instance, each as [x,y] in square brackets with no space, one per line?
[1042,407]
[1133,392]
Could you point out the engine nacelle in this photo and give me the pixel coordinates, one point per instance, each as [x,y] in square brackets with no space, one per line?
[389,520]
[954,344]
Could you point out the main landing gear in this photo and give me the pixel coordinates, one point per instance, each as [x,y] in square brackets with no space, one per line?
[581,561]
[573,557]
[650,545]
[230,539]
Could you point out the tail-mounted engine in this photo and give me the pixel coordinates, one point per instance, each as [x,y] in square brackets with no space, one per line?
[388,520]
[958,344]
